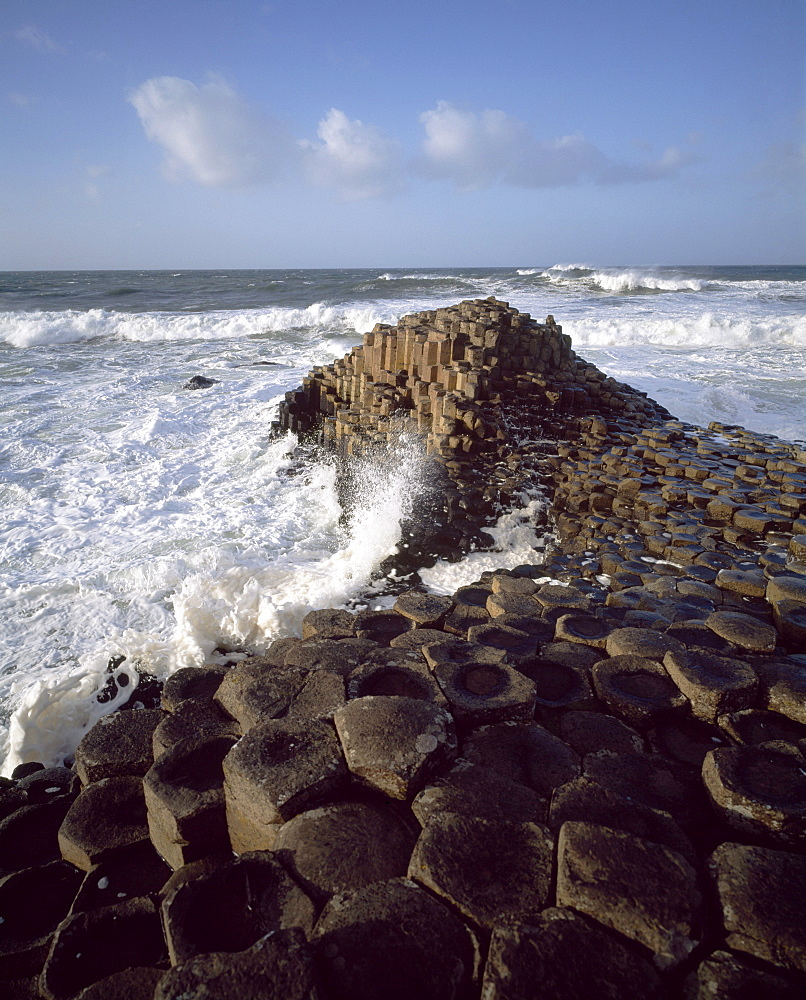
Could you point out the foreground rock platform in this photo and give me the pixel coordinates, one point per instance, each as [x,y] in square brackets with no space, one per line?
[583,777]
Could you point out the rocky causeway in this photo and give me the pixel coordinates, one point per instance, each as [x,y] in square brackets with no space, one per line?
[581,777]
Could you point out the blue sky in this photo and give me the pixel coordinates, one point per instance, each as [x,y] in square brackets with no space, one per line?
[233,133]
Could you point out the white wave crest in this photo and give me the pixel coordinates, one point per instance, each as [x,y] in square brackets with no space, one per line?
[633,281]
[223,597]
[33,329]
[705,329]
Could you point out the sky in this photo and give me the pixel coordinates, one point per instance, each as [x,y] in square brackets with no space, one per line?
[302,133]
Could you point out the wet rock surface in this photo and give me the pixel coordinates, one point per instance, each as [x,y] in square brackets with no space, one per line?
[579,777]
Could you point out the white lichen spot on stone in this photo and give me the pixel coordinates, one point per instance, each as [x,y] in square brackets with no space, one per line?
[426,743]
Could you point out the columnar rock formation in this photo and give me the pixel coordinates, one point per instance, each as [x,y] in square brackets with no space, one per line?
[442,373]
[482,385]
[582,777]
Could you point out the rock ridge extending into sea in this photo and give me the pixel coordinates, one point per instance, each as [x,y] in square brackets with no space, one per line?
[580,777]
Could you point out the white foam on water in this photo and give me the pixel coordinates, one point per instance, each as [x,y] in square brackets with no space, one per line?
[37,328]
[517,542]
[184,598]
[698,329]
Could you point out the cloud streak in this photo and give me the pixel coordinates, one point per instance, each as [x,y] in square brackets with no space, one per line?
[358,161]
[477,149]
[212,136]
[209,134]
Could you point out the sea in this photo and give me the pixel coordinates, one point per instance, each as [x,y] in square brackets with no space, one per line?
[145,527]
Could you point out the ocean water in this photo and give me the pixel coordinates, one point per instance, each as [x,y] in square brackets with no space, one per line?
[143,520]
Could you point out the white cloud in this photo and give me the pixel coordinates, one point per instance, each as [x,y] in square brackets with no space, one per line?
[357,160]
[472,149]
[477,149]
[209,133]
[36,37]
[669,164]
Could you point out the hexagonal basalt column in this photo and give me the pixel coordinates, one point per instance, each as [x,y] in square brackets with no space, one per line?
[185,798]
[760,790]
[637,689]
[643,890]
[487,869]
[714,684]
[278,965]
[255,691]
[562,956]
[393,743]
[393,935]
[233,906]
[524,752]
[279,768]
[763,898]
[108,815]
[486,692]
[344,846]
[119,743]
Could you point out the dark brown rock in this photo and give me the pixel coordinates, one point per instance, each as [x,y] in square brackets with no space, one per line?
[94,944]
[753,726]
[278,965]
[472,790]
[344,846]
[337,655]
[641,889]
[328,622]
[652,779]
[488,870]
[685,740]
[762,894]
[760,790]
[589,732]
[233,907]
[184,796]
[49,785]
[425,610]
[783,689]
[486,692]
[714,684]
[407,676]
[120,743]
[393,743]
[29,836]
[138,983]
[32,903]
[279,768]
[130,872]
[198,683]
[516,645]
[108,815]
[743,631]
[192,719]
[254,692]
[583,629]
[523,752]
[562,956]
[644,642]
[381,626]
[393,935]
[452,650]
[588,801]
[637,689]
[723,976]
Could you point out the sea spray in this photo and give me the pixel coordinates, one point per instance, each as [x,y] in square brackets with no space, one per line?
[240,603]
